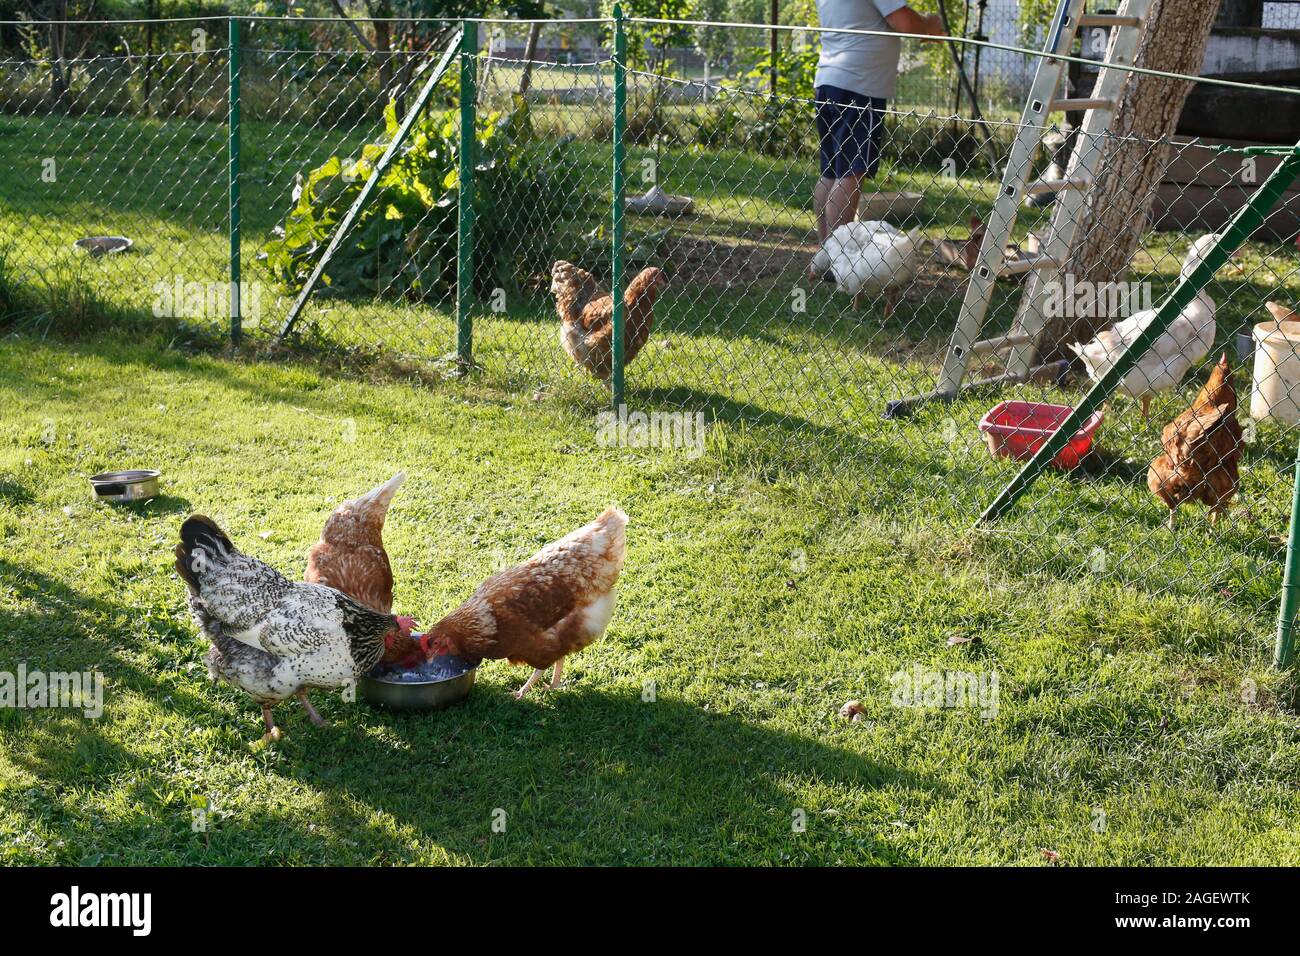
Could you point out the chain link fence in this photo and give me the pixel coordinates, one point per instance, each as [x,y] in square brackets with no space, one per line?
[755,360]
[115,143]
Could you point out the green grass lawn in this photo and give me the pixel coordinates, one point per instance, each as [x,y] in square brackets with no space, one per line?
[809,553]
[753,612]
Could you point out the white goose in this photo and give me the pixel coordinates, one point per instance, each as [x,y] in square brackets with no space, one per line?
[1185,343]
[870,256]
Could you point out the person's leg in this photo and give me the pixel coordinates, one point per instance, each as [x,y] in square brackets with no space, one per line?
[857,160]
[821,193]
[820,267]
[825,115]
[842,200]
[855,157]
[859,155]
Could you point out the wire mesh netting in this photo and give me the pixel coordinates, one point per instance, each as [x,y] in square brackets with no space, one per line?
[783,338]
[318,124]
[118,144]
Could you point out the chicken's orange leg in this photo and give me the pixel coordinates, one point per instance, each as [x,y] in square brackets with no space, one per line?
[1172,512]
[272,731]
[1146,407]
[316,718]
[519,694]
[891,301]
[559,669]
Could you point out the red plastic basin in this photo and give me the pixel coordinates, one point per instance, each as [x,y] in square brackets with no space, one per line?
[1018,429]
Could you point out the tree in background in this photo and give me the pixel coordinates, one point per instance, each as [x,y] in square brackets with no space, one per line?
[715,44]
[649,50]
[648,44]
[376,24]
[530,12]
[52,35]
[793,72]
[385,27]
[1134,157]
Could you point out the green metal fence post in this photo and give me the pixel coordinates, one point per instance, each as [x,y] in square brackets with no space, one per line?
[232,149]
[465,189]
[616,224]
[1239,229]
[1290,579]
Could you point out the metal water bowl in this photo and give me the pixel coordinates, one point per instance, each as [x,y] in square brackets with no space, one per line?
[416,695]
[136,485]
[103,245]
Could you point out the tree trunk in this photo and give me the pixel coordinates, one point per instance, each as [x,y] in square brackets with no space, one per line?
[1130,165]
[148,60]
[530,53]
[58,34]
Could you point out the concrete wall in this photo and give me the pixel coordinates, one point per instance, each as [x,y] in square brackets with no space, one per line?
[1234,50]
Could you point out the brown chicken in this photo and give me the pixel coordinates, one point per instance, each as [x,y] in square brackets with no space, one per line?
[350,557]
[537,613]
[1202,450]
[587,315]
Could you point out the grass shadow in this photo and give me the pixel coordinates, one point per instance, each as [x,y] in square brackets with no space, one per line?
[14,492]
[605,777]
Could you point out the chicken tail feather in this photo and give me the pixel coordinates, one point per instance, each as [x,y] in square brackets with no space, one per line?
[375,502]
[614,521]
[201,540]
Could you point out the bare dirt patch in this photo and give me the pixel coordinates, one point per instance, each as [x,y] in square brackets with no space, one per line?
[720,264]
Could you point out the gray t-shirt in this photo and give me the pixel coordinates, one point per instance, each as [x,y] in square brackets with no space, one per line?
[862,64]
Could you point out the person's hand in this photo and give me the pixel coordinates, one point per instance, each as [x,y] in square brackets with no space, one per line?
[907,20]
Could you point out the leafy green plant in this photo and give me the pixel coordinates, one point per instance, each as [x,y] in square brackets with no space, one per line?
[645,127]
[795,74]
[404,242]
[776,127]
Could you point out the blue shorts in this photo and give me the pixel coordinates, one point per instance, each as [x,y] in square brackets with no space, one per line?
[850,127]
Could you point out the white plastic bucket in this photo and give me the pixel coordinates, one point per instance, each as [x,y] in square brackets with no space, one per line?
[1275,392]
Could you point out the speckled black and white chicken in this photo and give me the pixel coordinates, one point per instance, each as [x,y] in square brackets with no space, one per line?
[271,637]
